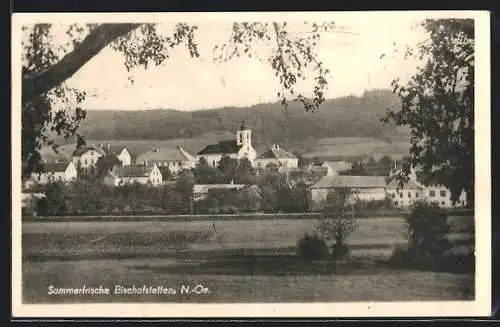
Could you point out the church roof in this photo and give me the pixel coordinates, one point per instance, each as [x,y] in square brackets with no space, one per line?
[223,147]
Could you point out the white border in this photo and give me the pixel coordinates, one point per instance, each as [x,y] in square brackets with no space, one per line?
[480,307]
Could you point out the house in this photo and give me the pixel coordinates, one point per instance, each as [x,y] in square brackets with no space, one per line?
[52,172]
[278,156]
[141,174]
[239,148]
[416,188]
[174,159]
[200,191]
[365,188]
[121,152]
[87,157]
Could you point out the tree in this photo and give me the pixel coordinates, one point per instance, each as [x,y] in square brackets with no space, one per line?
[438,105]
[245,173]
[205,174]
[339,221]
[228,168]
[385,161]
[47,65]
[106,163]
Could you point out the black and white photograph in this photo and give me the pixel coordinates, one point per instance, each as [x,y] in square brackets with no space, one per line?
[329,164]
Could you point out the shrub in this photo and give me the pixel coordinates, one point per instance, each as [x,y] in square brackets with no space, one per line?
[427,231]
[312,247]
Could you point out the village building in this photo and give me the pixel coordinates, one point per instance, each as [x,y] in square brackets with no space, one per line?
[140,174]
[364,188]
[330,168]
[54,172]
[416,189]
[239,148]
[278,156]
[175,160]
[121,152]
[87,157]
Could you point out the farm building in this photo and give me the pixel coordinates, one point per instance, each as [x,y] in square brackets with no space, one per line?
[174,159]
[278,156]
[239,148]
[52,172]
[141,174]
[365,188]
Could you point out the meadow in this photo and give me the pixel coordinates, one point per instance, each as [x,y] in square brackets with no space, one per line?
[239,260]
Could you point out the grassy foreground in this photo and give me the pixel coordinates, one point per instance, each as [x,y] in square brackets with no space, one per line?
[237,261]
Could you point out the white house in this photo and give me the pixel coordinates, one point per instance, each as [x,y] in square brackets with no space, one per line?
[52,172]
[278,156]
[135,174]
[236,149]
[415,190]
[87,157]
[175,159]
[364,188]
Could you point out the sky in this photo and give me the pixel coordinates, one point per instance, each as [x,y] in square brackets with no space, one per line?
[361,54]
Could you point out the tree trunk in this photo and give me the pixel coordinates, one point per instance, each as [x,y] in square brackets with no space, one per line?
[34,84]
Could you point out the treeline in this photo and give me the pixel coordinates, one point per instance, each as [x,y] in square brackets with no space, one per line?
[341,117]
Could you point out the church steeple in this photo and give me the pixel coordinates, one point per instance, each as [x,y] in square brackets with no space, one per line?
[244,135]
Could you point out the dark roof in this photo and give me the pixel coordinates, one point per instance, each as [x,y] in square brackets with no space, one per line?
[339,181]
[276,153]
[133,171]
[221,147]
[59,167]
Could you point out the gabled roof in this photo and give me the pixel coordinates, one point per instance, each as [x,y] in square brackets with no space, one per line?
[115,149]
[85,149]
[166,154]
[276,153]
[223,147]
[351,182]
[133,171]
[59,167]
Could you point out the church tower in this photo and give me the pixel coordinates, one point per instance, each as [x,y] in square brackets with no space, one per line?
[244,135]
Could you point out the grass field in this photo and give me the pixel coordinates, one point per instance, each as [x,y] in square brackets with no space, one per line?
[238,260]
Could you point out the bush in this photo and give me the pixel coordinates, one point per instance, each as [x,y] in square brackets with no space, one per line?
[312,247]
[428,228]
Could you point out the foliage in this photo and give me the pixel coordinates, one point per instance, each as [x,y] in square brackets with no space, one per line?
[339,221]
[428,228]
[106,163]
[438,105]
[312,247]
[47,65]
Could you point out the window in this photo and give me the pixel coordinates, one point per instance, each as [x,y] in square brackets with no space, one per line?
[442,203]
[395,203]
[432,193]
[393,195]
[213,163]
[85,161]
[400,195]
[409,194]
[416,194]
[442,193]
[39,177]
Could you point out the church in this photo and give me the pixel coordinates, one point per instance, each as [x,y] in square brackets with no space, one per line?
[239,148]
